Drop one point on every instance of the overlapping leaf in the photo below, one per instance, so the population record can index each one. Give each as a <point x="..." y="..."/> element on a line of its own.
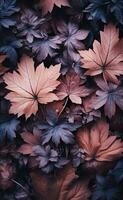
<point x="45" y="47"/>
<point x="72" y="86"/>
<point x="98" y="144"/>
<point x="72" y="37"/>
<point x="57" y="130"/>
<point x="109" y="95"/>
<point x="66" y="185"/>
<point x="48" y="5"/>
<point x="30" y="140"/>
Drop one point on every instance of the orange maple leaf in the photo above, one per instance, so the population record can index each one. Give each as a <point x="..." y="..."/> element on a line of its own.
<point x="48" y="5"/>
<point x="30" y="87"/>
<point x="106" y="58"/>
<point x="98" y="145"/>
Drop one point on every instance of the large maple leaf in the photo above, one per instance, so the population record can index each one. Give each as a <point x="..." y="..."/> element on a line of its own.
<point x="106" y="57"/>
<point x="98" y="144"/>
<point x="30" y="87"/>
<point x="65" y="185"/>
<point x="48" y="5"/>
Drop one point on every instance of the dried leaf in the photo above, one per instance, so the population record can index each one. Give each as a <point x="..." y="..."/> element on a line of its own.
<point x="109" y="95"/>
<point x="98" y="145"/>
<point x="106" y="57"/>
<point x="31" y="141"/>
<point x="48" y="5"/>
<point x="72" y="86"/>
<point x="30" y="87"/>
<point x="66" y="185"/>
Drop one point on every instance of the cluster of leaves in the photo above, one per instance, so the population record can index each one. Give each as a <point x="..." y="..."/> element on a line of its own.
<point x="61" y="99"/>
<point x="110" y="186"/>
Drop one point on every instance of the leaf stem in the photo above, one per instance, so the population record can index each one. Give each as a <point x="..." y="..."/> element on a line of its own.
<point x="14" y="181"/>
<point x="66" y="101"/>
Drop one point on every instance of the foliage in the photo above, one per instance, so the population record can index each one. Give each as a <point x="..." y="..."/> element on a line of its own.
<point x="61" y="99"/>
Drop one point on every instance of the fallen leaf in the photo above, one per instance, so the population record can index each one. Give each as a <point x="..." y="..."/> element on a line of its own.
<point x="108" y="95"/>
<point x="48" y="5"/>
<point x="65" y="185"/>
<point x="57" y="129"/>
<point x="30" y="140"/>
<point x="98" y="144"/>
<point x="106" y="58"/>
<point x="72" y="86"/>
<point x="30" y="87"/>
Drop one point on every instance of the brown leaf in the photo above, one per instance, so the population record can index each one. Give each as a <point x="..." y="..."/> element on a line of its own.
<point x="65" y="185"/>
<point x="106" y="57"/>
<point x="26" y="149"/>
<point x="72" y="86"/>
<point x="30" y="87"/>
<point x="31" y="140"/>
<point x="98" y="145"/>
<point x="88" y="102"/>
<point x="48" y="5"/>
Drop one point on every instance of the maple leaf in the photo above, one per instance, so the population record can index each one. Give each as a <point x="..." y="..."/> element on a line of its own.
<point x="57" y="129"/>
<point x="30" y="87"/>
<point x="98" y="144"/>
<point x="48" y="5"/>
<point x="29" y="25"/>
<point x="110" y="95"/>
<point x="46" y="47"/>
<point x="72" y="37"/>
<point x="72" y="86"/>
<point x="65" y="185"/>
<point x="48" y="158"/>
<point x="103" y="9"/>
<point x="106" y="57"/>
